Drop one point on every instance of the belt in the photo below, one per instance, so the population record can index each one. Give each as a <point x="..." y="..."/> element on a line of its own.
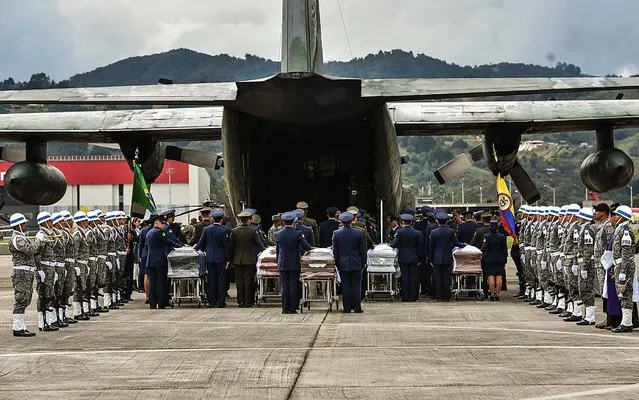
<point x="540" y="252"/>
<point x="83" y="262"/>
<point x="618" y="261"/>
<point x="93" y="259"/>
<point x="59" y="265"/>
<point x="24" y="268"/>
<point x="580" y="260"/>
<point x="70" y="260"/>
<point x="121" y="253"/>
<point x="102" y="257"/>
<point x="112" y="254"/>
<point x="555" y="254"/>
<point x="48" y="263"/>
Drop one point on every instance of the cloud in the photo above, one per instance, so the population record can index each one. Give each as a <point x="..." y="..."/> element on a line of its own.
<point x="64" y="37"/>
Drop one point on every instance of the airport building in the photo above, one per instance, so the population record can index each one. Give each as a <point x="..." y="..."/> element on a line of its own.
<point x="106" y="182"/>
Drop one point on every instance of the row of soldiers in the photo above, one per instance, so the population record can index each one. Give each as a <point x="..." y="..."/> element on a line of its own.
<point x="571" y="254"/>
<point x="79" y="256"/>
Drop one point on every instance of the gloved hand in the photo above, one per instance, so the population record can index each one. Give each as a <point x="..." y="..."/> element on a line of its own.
<point x="55" y="277"/>
<point x="584" y="274"/>
<point x="77" y="271"/>
<point x="109" y="265"/>
<point x="559" y="265"/>
<point x="41" y="275"/>
<point x="575" y="269"/>
<point x="543" y="265"/>
<point x="118" y="263"/>
<point x="622" y="278"/>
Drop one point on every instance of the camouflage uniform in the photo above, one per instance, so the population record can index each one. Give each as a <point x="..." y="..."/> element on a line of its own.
<point x="586" y="277"/>
<point x="311" y="223"/>
<point x="544" y="274"/>
<point x="553" y="243"/>
<point x="120" y="246"/>
<point x="22" y="252"/>
<point x="623" y="251"/>
<point x="570" y="265"/>
<point x="271" y="234"/>
<point x="90" y="237"/>
<point x="71" y="277"/>
<point x="602" y="237"/>
<point x="81" y="269"/>
<point x="523" y="246"/>
<point x="111" y="264"/>
<point x="534" y="277"/>
<point x="46" y="264"/>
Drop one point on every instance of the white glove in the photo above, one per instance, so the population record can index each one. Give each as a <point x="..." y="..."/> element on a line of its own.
<point x="41" y="275"/>
<point x="584" y="274"/>
<point x="523" y="259"/>
<point x="543" y="265"/>
<point x="55" y="277"/>
<point x="77" y="271"/>
<point x="118" y="263"/>
<point x="622" y="277"/>
<point x="109" y="265"/>
<point x="575" y="269"/>
<point x="559" y="265"/>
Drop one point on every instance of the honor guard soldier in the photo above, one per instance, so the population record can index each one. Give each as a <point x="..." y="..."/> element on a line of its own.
<point x="102" y="239"/>
<point x="349" y="251"/>
<point x="521" y="244"/>
<point x="173" y="227"/>
<point x="552" y="254"/>
<point x="290" y="243"/>
<point x="159" y="243"/>
<point x="587" y="275"/>
<point x="45" y="261"/>
<point x="82" y="266"/>
<point x="410" y="245"/>
<point x="120" y="250"/>
<point x="526" y="240"/>
<point x="545" y="274"/>
<point x="110" y="288"/>
<point x="215" y="243"/>
<point x="60" y="271"/>
<point x="328" y="227"/>
<point x="556" y="257"/>
<point x="568" y="262"/>
<point x="22" y="255"/>
<point x="91" y="236"/>
<point x="624" y="278"/>
<point x="302" y="205"/>
<point x="442" y="241"/>
<point x="604" y="231"/>
<point x="244" y="245"/>
<point x="71" y="277"/>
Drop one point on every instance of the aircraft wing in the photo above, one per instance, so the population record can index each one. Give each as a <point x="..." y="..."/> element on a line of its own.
<point x="476" y="118"/>
<point x="168" y="124"/>
<point x="443" y="88"/>
<point x="382" y="90"/>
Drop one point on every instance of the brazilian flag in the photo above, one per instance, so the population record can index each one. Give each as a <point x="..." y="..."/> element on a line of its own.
<point x="141" y="194"/>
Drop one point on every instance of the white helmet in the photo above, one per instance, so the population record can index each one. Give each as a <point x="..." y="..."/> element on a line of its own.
<point x="17" y="219"/>
<point x="57" y="217"/>
<point x="43" y="217"/>
<point x="624" y="211"/>
<point x="67" y="215"/>
<point x="586" y="213"/>
<point x="573" y="209"/>
<point x="92" y="216"/>
<point x="80" y="216"/>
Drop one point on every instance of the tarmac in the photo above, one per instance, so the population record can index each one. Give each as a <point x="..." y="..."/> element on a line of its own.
<point x="427" y="350"/>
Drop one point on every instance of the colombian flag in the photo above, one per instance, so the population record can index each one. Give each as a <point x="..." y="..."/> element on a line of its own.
<point x="505" y="202"/>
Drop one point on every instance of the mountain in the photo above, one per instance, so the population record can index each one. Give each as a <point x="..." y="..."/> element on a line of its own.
<point x="556" y="166"/>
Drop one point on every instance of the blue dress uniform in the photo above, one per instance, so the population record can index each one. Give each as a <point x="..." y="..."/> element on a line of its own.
<point x="159" y="244"/>
<point x="143" y="251"/>
<point x="410" y="244"/>
<point x="349" y="251"/>
<point x="327" y="228"/>
<point x="306" y="231"/>
<point x="215" y="243"/>
<point x="173" y="228"/>
<point x="466" y="231"/>
<point x="289" y="244"/>
<point x="442" y="241"/>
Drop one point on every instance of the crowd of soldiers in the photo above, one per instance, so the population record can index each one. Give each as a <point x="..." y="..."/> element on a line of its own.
<point x="77" y="257"/>
<point x="570" y="255"/>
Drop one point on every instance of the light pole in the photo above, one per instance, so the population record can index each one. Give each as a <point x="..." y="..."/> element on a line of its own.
<point x="630" y="186"/>
<point x="553" y="194"/>
<point x="462" y="190"/>
<point x="481" y="194"/>
<point x="170" y="171"/>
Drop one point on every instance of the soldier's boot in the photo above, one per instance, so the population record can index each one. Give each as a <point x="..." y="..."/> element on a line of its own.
<point x="78" y="315"/>
<point x="546" y="300"/>
<point x="626" y="321"/>
<point x="561" y="305"/>
<point x="59" y="318"/>
<point x="576" y="312"/>
<point x="19" y="327"/>
<point x="116" y="299"/>
<point x="43" y="325"/>
<point x="568" y="310"/>
<point x="88" y="309"/>
<point x="53" y="320"/>
<point x="65" y="319"/>
<point x="109" y="303"/>
<point x="537" y="297"/>
<point x="105" y="307"/>
<point x="524" y="295"/>
<point x="553" y="303"/>
<point x="589" y="319"/>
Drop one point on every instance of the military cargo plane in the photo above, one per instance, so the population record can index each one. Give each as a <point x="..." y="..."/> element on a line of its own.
<point x="304" y="135"/>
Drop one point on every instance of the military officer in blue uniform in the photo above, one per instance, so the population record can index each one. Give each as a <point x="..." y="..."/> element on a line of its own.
<point x="306" y="231"/>
<point x="143" y="252"/>
<point x="327" y="227"/>
<point x="349" y="251"/>
<point x="215" y="243"/>
<point x="172" y="227"/>
<point x="442" y="241"/>
<point x="159" y="244"/>
<point x="289" y="244"/>
<point x="466" y="230"/>
<point x="410" y="244"/>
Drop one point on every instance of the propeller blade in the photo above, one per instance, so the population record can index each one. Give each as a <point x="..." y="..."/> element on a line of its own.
<point x="459" y="165"/>
<point x="523" y="182"/>
<point x="13" y="154"/>
<point x="193" y="157"/>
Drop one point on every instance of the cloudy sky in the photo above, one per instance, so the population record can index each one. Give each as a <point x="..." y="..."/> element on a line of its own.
<point x="65" y="37"/>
